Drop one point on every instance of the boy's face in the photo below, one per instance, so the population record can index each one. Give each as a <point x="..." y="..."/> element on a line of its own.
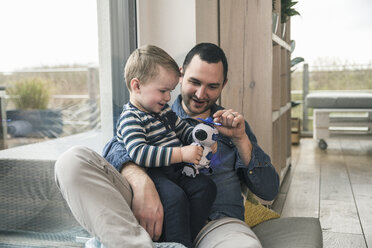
<point x="155" y="92"/>
<point x="201" y="86"/>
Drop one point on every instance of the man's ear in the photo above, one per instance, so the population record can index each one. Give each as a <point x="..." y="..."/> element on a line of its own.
<point x="135" y="85"/>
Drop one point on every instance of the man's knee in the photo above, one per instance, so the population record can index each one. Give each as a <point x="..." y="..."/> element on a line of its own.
<point x="68" y="167"/>
<point x="226" y="233"/>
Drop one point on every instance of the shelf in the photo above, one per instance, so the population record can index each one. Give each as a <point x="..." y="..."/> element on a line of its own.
<point x="281" y="42"/>
<point x="284" y="170"/>
<point x="276" y="114"/>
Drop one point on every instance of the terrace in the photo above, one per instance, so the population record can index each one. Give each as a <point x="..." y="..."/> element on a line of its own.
<point x="333" y="185"/>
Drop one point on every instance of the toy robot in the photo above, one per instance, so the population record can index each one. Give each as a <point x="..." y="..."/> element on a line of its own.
<point x="204" y="135"/>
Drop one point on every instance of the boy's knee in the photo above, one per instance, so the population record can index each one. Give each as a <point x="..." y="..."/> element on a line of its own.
<point x="177" y="196"/>
<point x="207" y="188"/>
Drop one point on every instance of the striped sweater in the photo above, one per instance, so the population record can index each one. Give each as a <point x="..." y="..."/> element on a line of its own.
<point x="149" y="137"/>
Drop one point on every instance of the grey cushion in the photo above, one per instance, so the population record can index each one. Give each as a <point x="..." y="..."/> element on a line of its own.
<point x="339" y="100"/>
<point x="30" y="199"/>
<point x="33" y="212"/>
<point x="290" y="232"/>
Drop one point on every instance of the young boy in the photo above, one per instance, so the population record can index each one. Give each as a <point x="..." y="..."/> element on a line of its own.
<point x="153" y="136"/>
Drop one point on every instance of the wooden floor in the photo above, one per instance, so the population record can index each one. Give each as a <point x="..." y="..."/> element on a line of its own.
<point x="335" y="186"/>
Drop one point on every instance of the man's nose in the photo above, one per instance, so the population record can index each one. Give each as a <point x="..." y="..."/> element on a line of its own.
<point x="200" y="93"/>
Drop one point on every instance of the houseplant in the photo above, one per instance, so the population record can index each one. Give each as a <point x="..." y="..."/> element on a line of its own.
<point x="32" y="116"/>
<point x="286" y="12"/>
<point x="275" y="18"/>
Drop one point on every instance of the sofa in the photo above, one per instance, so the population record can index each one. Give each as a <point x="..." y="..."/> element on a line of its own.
<point x="34" y="214"/>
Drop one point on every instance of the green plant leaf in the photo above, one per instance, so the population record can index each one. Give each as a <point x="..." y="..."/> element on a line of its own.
<point x="293" y="45"/>
<point x="296" y="61"/>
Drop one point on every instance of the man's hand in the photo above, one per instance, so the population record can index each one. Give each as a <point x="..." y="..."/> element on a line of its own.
<point x="146" y="204"/>
<point x="233" y="126"/>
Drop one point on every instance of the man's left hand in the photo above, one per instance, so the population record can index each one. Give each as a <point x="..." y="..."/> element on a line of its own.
<point x="233" y="125"/>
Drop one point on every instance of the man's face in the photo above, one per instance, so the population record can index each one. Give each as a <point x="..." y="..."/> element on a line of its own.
<point x="201" y="86"/>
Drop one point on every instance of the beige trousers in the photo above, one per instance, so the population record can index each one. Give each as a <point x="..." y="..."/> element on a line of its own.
<point x="100" y="199"/>
<point x="227" y="233"/>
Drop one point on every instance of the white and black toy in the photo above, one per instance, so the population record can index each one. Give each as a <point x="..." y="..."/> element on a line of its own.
<point x="204" y="135"/>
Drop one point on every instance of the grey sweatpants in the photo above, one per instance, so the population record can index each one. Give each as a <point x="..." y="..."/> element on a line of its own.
<point x="100" y="199"/>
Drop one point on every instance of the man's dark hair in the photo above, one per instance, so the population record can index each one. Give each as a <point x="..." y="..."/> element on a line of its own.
<point x="209" y="53"/>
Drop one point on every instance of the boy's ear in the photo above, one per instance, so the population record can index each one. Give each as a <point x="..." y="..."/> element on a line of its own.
<point x="135" y="85"/>
<point x="181" y="77"/>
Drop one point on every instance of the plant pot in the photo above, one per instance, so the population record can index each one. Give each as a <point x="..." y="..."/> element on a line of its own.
<point x="283" y="30"/>
<point x="275" y="22"/>
<point x="35" y="123"/>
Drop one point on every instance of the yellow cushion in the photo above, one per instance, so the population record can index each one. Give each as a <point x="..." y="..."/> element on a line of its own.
<point x="255" y="212"/>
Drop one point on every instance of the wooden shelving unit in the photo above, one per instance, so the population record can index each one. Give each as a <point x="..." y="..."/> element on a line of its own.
<point x="259" y="71"/>
<point x="259" y="74"/>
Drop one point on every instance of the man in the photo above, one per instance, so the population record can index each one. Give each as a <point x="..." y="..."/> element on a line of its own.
<point x="204" y="75"/>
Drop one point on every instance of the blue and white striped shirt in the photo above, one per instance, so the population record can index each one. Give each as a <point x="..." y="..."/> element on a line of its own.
<point x="149" y="137"/>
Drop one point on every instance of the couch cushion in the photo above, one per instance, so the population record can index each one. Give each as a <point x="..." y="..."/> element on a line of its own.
<point x="290" y="233"/>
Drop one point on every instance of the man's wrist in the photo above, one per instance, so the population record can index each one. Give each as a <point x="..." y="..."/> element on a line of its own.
<point x="134" y="174"/>
<point x="241" y="141"/>
<point x="244" y="147"/>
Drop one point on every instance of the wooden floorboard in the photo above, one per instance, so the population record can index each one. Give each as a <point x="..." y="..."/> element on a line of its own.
<point x="342" y="240"/>
<point x="369" y="241"/>
<point x="303" y="195"/>
<point x="338" y="212"/>
<point x="360" y="170"/>
<point x="334" y="185"/>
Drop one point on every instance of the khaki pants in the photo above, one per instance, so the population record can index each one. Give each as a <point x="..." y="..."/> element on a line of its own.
<point x="227" y="233"/>
<point x="100" y="199"/>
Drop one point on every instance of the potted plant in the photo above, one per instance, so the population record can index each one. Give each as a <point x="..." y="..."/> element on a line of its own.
<point x="32" y="117"/>
<point x="275" y="18"/>
<point x="287" y="11"/>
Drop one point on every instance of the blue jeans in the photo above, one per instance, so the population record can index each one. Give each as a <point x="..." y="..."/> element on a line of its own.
<point x="187" y="202"/>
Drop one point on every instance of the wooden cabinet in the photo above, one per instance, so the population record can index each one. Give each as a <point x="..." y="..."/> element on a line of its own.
<point x="259" y="74"/>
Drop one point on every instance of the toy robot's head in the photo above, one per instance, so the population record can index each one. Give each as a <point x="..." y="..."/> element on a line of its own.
<point x="205" y="134"/>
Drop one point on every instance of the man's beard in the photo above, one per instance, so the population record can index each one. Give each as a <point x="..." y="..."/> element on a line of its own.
<point x="188" y="101"/>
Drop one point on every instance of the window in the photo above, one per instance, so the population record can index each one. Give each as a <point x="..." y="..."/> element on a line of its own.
<point x="48" y="70"/>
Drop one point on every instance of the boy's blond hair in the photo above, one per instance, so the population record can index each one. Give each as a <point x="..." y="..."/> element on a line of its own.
<point x="143" y="64"/>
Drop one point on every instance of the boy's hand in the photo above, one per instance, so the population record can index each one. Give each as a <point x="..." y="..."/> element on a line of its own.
<point x="192" y="154"/>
